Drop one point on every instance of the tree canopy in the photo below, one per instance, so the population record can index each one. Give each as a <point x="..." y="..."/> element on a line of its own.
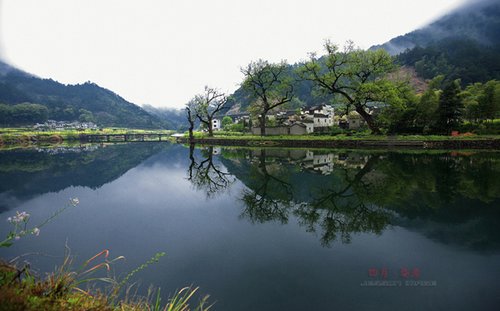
<point x="270" y="88"/>
<point x="355" y="77"/>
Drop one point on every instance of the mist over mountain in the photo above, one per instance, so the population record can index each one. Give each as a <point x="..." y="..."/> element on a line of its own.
<point x="174" y="118"/>
<point x="84" y="102"/>
<point x="464" y="44"/>
<point x="477" y="20"/>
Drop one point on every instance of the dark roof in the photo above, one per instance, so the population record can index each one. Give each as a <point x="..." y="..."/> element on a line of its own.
<point x="307" y="121"/>
<point x="241" y="114"/>
<point x="298" y="124"/>
<point x="317" y="107"/>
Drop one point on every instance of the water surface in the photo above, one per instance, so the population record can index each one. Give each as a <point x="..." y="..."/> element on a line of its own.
<point x="271" y="229"/>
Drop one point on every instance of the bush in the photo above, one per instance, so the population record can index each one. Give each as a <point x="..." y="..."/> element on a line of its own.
<point x="484" y="128"/>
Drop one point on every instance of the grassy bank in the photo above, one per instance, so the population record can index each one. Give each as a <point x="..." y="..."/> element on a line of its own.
<point x="360" y="136"/>
<point x="21" y="290"/>
<point x="26" y="136"/>
<point x="353" y="141"/>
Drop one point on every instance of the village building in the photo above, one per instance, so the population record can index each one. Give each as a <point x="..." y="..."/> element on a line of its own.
<point x="216" y="124"/>
<point x="53" y="125"/>
<point x="315" y="119"/>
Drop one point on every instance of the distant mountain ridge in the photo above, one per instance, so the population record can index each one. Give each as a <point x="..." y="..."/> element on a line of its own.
<point x="70" y="102"/>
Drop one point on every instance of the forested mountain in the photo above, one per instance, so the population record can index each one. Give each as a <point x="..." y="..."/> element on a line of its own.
<point x="464" y="59"/>
<point x="84" y="102"/>
<point x="464" y="44"/>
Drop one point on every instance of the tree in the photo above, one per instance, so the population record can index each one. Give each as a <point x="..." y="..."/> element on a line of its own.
<point x="27" y="113"/>
<point x="208" y="104"/>
<point x="354" y="76"/>
<point x="191" y="117"/>
<point x="470" y="98"/>
<point x="450" y="108"/>
<point x="489" y="101"/>
<point x="5" y="115"/>
<point x="226" y="122"/>
<point x="86" y="116"/>
<point x="269" y="86"/>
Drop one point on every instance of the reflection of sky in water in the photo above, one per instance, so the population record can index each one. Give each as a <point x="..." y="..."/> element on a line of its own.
<point x="244" y="266"/>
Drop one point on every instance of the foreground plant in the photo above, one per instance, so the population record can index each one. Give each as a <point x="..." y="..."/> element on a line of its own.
<point x="20" y="223"/>
<point x="62" y="289"/>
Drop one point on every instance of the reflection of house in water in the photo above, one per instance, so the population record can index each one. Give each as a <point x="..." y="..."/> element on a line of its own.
<point x="353" y="160"/>
<point x="321" y="163"/>
<point x="216" y="150"/>
<point x="313" y="160"/>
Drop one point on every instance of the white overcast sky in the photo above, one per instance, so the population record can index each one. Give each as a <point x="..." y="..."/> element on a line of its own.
<point x="163" y="52"/>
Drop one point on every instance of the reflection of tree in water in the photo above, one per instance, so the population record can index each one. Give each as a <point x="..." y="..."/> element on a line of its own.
<point x="341" y="211"/>
<point x="447" y="197"/>
<point x="337" y="211"/>
<point x="206" y="174"/>
<point x="260" y="205"/>
<point x="451" y="198"/>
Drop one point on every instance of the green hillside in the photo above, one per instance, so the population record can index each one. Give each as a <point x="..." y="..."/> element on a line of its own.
<point x="84" y="102"/>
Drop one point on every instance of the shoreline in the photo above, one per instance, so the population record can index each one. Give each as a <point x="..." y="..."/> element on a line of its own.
<point x="388" y="142"/>
<point x="490" y="144"/>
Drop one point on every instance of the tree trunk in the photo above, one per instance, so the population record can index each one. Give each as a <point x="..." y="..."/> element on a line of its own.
<point x="191" y="158"/>
<point x="369" y="119"/>
<point x="191" y="136"/>
<point x="263" y="125"/>
<point x="210" y="130"/>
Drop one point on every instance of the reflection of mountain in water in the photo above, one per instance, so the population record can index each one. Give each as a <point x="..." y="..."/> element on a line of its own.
<point x="30" y="172"/>
<point x="453" y="198"/>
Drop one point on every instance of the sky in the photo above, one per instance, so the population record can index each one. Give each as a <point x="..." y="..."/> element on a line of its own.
<point x="163" y="52"/>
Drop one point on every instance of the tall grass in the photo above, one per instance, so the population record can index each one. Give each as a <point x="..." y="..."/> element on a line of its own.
<point x="21" y="290"/>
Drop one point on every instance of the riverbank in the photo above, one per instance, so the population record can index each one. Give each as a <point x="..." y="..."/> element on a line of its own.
<point x="26" y="137"/>
<point x="423" y="142"/>
<point x="19" y="137"/>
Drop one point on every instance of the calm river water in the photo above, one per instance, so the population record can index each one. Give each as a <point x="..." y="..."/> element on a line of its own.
<point x="270" y="229"/>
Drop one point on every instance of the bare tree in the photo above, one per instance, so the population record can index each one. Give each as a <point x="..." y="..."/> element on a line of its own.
<point x="270" y="85"/>
<point x="208" y="105"/>
<point x="191" y="117"/>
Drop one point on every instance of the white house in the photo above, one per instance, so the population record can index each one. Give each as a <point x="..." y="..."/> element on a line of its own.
<point x="216" y="124"/>
<point x="321" y="116"/>
<point x="322" y="120"/>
